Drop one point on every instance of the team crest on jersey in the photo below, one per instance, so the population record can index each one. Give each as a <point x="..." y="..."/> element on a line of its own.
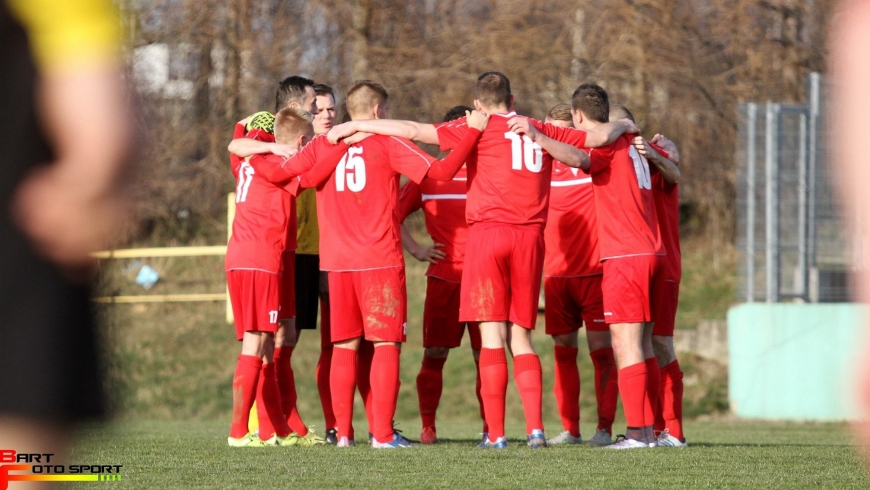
<point x="262" y="120"/>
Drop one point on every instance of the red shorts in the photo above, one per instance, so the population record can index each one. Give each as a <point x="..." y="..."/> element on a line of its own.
<point x="371" y="304"/>
<point x="288" y="285"/>
<point x="626" y="288"/>
<point x="571" y="302"/>
<point x="254" y="297"/>
<point x="667" y="297"/>
<point x="501" y="278"/>
<point x="441" y="325"/>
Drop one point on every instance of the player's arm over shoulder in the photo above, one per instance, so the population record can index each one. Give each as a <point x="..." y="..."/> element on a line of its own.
<point x="659" y="159"/>
<point x="411" y="130"/>
<point x="607" y="133"/>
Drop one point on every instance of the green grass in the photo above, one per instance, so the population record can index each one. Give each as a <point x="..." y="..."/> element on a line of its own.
<point x="186" y="454"/>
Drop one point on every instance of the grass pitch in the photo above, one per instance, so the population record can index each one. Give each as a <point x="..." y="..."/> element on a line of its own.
<point x="722" y="454"/>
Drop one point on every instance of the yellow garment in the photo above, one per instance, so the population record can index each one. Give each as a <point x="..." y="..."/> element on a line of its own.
<point x="69" y="33"/>
<point x="307" y="230"/>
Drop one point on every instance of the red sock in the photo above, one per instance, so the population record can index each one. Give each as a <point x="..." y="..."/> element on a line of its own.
<point x="342" y="378"/>
<point x="493" y="388"/>
<point x="385" y="390"/>
<point x="606" y="387"/>
<point x="567" y="388"/>
<point x="322" y="374"/>
<point x="363" y="377"/>
<point x="632" y="386"/>
<point x="430" y="381"/>
<point x="269" y="413"/>
<point x="528" y="377"/>
<point x="286" y="379"/>
<point x="244" y="392"/>
<point x="671" y="399"/>
<point x="477" y="392"/>
<point x="287" y="387"/>
<point x="653" y="380"/>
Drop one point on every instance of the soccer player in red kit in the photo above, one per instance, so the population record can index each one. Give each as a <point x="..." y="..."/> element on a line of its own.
<point x="443" y="205"/>
<point x="361" y="249"/>
<point x="294" y="91"/>
<point x="508" y="190"/>
<point x="669" y="414"/>
<point x="630" y="245"/>
<point x="572" y="291"/>
<point x="254" y="268"/>
<point x="664" y="174"/>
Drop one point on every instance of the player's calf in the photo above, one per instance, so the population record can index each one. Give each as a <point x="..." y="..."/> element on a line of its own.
<point x="430" y="384"/>
<point x="567" y="386"/>
<point x="627" y="341"/>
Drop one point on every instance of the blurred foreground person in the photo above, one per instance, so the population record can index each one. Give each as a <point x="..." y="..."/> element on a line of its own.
<point x="61" y="199"/>
<point x="849" y="41"/>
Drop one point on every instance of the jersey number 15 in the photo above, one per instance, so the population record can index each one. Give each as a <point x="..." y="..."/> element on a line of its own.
<point x="351" y="171"/>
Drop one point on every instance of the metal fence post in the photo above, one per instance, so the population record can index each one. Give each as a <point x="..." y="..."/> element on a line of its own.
<point x="815" y="82"/>
<point x="803" y="271"/>
<point x="771" y="208"/>
<point x="751" y="116"/>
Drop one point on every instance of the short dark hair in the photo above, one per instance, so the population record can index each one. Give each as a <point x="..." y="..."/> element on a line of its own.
<point x="363" y="95"/>
<point x="619" y="111"/>
<point x="591" y="100"/>
<point x="456" y="112"/>
<point x="493" y="89"/>
<point x="291" y="89"/>
<point x="560" y="112"/>
<point x="321" y="89"/>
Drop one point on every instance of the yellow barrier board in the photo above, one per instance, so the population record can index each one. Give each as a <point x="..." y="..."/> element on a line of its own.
<point x="161" y="298"/>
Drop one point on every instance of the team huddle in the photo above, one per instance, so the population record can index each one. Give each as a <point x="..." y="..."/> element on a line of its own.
<point x="576" y="199"/>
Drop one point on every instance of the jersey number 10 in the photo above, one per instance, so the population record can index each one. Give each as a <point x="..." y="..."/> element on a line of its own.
<point x="351" y="171"/>
<point x="525" y="151"/>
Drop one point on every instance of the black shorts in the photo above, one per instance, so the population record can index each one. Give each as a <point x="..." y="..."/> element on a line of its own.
<point x="49" y="368"/>
<point x="307" y="290"/>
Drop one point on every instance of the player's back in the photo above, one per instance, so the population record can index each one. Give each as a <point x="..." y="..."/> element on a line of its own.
<point x="508" y="174"/>
<point x="571" y="234"/>
<point x="443" y="204"/>
<point x="624" y="203"/>
<point x="260" y="126"/>
<point x="667" y="203"/>
<point x="357" y="205"/>
<point x="260" y="223"/>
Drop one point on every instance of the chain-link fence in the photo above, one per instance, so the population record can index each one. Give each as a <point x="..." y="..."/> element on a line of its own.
<point x="791" y="237"/>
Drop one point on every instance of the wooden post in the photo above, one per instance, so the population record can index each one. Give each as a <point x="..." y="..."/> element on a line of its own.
<point x="231" y="213"/>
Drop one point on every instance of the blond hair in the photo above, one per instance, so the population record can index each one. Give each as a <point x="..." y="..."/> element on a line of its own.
<point x="290" y="123"/>
<point x="363" y="95"/>
<point x="560" y="112"/>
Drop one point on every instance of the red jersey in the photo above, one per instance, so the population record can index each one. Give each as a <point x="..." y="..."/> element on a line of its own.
<point x="262" y="208"/>
<point x="443" y="204"/>
<point x="667" y="202"/>
<point x="627" y="223"/>
<point x="357" y="207"/>
<point x="571" y="234"/>
<point x="261" y="127"/>
<point x="508" y="174"/>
